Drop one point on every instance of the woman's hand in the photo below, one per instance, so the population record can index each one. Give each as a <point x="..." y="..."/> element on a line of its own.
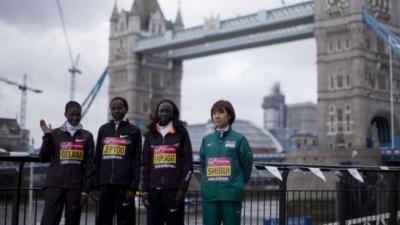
<point x="94" y="196"/>
<point x="180" y="197"/>
<point x="46" y="129"/>
<point x="83" y="199"/>
<point x="145" y="199"/>
<point x="129" y="195"/>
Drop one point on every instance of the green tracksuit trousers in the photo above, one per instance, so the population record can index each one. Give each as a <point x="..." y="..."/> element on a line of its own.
<point x="227" y="212"/>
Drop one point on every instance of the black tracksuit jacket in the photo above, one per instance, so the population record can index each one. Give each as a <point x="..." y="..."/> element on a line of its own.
<point x="70" y="157"/>
<point x="161" y="172"/>
<point x="117" y="157"/>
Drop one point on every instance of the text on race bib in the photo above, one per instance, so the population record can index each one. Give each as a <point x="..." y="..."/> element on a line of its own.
<point x="71" y="152"/>
<point x="164" y="156"/>
<point x="114" y="147"/>
<point x="219" y="169"/>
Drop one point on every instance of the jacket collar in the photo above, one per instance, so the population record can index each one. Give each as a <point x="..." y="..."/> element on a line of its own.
<point x="66" y="127"/>
<point x="170" y="131"/>
<point x="122" y="122"/>
<point x="221" y="133"/>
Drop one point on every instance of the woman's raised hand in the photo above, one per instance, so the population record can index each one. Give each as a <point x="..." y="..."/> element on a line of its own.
<point x="45" y="128"/>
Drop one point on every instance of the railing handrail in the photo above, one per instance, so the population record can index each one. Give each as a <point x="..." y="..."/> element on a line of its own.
<point x="19" y="157"/>
<point x="29" y="157"/>
<point x="364" y="168"/>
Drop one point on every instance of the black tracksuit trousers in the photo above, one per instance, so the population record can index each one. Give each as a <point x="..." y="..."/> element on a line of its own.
<point x="54" y="201"/>
<point x="112" y="199"/>
<point x="163" y="208"/>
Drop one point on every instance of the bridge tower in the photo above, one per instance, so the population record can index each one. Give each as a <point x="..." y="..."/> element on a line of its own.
<point x="143" y="79"/>
<point x="353" y="74"/>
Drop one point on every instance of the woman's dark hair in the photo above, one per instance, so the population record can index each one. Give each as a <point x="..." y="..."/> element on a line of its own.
<point x="123" y="101"/>
<point x="176" y="122"/>
<point x="224" y="105"/>
<point x="72" y="104"/>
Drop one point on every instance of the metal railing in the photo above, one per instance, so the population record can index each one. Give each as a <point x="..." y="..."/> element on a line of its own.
<point x="376" y="201"/>
<point x="259" y="207"/>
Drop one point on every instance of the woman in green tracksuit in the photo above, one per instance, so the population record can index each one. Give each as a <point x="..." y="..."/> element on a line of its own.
<point x="226" y="162"/>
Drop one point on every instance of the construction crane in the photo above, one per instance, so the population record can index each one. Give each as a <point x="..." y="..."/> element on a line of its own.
<point x="24" y="88"/>
<point x="74" y="70"/>
<point x="74" y="64"/>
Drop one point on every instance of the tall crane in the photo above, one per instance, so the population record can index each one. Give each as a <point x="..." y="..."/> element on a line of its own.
<point x="74" y="70"/>
<point x="74" y="64"/>
<point x="24" y="88"/>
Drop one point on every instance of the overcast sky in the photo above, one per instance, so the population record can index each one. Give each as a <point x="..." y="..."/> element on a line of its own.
<point x="32" y="43"/>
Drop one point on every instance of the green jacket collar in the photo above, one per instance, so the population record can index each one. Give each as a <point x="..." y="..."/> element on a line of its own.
<point x="224" y="134"/>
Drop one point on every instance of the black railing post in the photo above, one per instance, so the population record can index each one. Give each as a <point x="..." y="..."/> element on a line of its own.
<point x="15" y="212"/>
<point x="341" y="198"/>
<point x="282" y="198"/>
<point x="393" y="204"/>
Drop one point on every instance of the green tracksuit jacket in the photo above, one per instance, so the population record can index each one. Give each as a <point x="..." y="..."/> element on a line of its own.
<point x="226" y="164"/>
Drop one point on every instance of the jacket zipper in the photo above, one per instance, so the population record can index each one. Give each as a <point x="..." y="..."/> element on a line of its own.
<point x="219" y="155"/>
<point x="163" y="143"/>
<point x="112" y="162"/>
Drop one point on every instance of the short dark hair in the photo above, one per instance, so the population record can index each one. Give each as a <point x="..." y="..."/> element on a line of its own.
<point x="123" y="101"/>
<point x="72" y="104"/>
<point x="177" y="123"/>
<point x="224" y="105"/>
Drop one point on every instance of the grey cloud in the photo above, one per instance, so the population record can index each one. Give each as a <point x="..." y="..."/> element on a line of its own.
<point x="34" y="15"/>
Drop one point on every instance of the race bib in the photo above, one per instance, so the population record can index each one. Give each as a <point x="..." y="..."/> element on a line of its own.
<point x="71" y="152"/>
<point x="219" y="169"/>
<point x="164" y="156"/>
<point x="114" y="147"/>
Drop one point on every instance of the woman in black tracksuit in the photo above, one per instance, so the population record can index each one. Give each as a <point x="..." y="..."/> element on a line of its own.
<point x="69" y="150"/>
<point x="117" y="166"/>
<point x="167" y="166"/>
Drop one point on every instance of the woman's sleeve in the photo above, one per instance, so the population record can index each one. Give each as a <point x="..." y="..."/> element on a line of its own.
<point x="88" y="165"/>
<point x="145" y="165"/>
<point x="201" y="158"/>
<point x="187" y="162"/>
<point x="47" y="148"/>
<point x="246" y="158"/>
<point x="137" y="151"/>
<point x="97" y="161"/>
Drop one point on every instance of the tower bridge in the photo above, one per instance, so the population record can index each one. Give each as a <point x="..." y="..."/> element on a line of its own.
<point x="147" y="52"/>
<point x="215" y="36"/>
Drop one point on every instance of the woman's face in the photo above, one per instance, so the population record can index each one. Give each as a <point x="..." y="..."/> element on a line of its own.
<point x="165" y="113"/>
<point x="221" y="118"/>
<point x="118" y="109"/>
<point x="73" y="116"/>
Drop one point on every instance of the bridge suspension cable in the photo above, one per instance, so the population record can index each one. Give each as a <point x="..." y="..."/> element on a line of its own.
<point x="93" y="93"/>
<point x="390" y="39"/>
<point x="393" y="43"/>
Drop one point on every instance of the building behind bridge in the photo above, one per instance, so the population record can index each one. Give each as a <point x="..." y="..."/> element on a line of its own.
<point x="294" y="125"/>
<point x="12" y="136"/>
<point x="12" y="139"/>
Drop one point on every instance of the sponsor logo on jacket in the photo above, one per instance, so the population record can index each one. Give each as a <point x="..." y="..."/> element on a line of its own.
<point x="230" y="144"/>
